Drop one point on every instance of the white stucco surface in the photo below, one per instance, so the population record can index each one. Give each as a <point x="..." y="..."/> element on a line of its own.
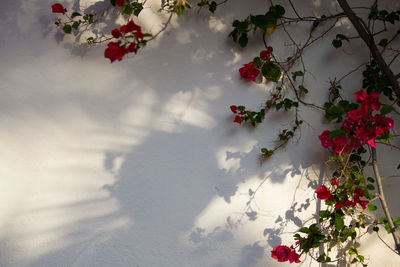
<point x="138" y="163"/>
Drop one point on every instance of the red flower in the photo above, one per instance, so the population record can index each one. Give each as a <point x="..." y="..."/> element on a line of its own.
<point x="349" y="203"/>
<point x="324" y="138"/>
<point x="238" y="119"/>
<point x="58" y="8"/>
<point x="116" y="33"/>
<point x="355" y="114"/>
<point x="334" y="182"/>
<point x="339" y="205"/>
<point x="266" y="54"/>
<point x="323" y="192"/>
<point x="234" y="109"/>
<point x="359" y="192"/>
<point x="294" y="257"/>
<point x="340" y="145"/>
<point x="360" y="96"/>
<point x="284" y="253"/>
<point x="280" y="253"/>
<point x="115" y="51"/>
<point x="132" y="48"/>
<point x="130" y="27"/>
<point x="138" y="34"/>
<point x="249" y="72"/>
<point x="120" y="2"/>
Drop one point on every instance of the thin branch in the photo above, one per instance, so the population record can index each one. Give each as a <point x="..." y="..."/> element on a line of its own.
<point x="294" y="9"/>
<point x="378" y="179"/>
<point x="360" y="27"/>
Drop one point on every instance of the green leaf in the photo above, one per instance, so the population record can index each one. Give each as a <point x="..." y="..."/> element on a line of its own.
<point x="375" y="228"/>
<point x="304" y="230"/>
<point x="67" y="28"/>
<point x="126" y="10"/>
<point x="372" y="207"/>
<point x="257" y="61"/>
<point x="332" y="113"/>
<point x="136" y="12"/>
<point x="370" y="187"/>
<point x="337" y="133"/>
<point x="278" y="10"/>
<point x="336" y="43"/>
<point x="361" y="258"/>
<point x="212" y="7"/>
<point x="271" y="71"/>
<point x="392" y="17"/>
<point x="371" y="180"/>
<point x="243" y="40"/>
<point x="75" y="14"/>
<point x="383" y="42"/>
<point x="386" y="109"/>
<point x="339" y="223"/>
<point x="75" y="25"/>
<point x="321" y="258"/>
<point x="179" y="9"/>
<point x="303" y="89"/>
<point x="324" y="213"/>
<point x="263" y="21"/>
<point x="352" y="250"/>
<point x="296" y="74"/>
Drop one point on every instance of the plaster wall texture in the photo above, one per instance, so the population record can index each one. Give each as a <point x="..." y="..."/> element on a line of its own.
<point x="138" y="163"/>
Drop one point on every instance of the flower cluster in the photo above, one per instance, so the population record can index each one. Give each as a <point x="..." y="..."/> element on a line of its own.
<point x="129" y="37"/>
<point x="284" y="253"/>
<point x="251" y="70"/>
<point x="361" y="127"/>
<point x="58" y="8"/>
<point x="341" y="200"/>
<point x="240" y="110"/>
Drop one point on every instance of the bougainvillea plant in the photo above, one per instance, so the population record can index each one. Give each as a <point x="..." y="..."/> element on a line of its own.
<point x="348" y="195"/>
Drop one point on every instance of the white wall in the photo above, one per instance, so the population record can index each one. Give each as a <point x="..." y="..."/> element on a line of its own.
<point x="138" y="162"/>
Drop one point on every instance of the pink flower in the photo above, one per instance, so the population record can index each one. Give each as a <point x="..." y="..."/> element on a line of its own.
<point x="58" y="8"/>
<point x="116" y="33"/>
<point x="233" y="109"/>
<point x="323" y="192"/>
<point x="280" y="253"/>
<point x="249" y="72"/>
<point x="238" y="119"/>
